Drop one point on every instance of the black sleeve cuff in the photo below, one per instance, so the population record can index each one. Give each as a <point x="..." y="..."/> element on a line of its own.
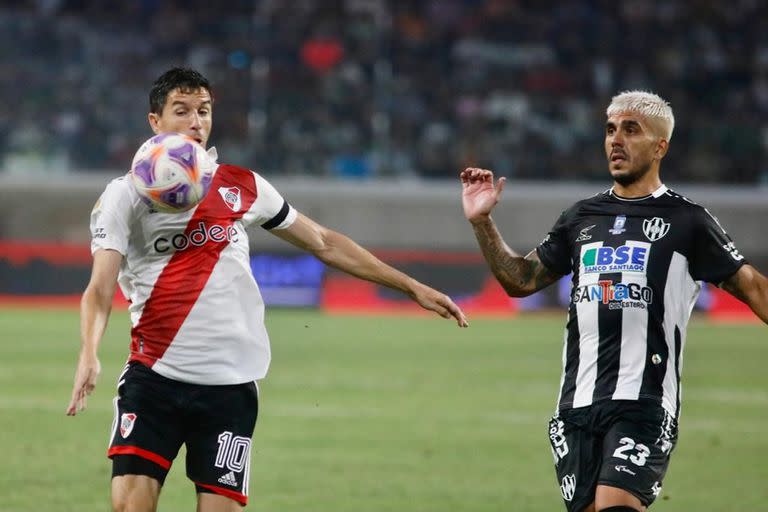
<point x="279" y="218"/>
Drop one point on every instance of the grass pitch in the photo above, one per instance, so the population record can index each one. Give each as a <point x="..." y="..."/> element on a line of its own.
<point x="383" y="414"/>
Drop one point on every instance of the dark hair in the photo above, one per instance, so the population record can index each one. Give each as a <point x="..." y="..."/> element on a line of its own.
<point x="184" y="79"/>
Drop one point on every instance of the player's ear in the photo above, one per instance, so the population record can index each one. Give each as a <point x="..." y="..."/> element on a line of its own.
<point x="154" y="122"/>
<point x="661" y="148"/>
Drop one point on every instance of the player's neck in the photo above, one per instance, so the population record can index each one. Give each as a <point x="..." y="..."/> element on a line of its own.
<point x="641" y="188"/>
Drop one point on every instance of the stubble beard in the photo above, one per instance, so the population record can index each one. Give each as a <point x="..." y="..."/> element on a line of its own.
<point x="631" y="177"/>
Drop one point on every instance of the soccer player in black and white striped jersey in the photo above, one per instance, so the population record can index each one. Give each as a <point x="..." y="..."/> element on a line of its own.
<point x="637" y="253"/>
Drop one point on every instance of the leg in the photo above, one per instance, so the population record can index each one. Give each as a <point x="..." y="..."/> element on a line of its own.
<point x="135" y="493"/>
<point x="207" y="502"/>
<point x="636" y="453"/>
<point x="145" y="439"/>
<point x="577" y="453"/>
<point x="219" y="445"/>
<point x="608" y="497"/>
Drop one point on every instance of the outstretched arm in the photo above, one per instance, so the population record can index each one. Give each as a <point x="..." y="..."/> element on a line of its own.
<point x="751" y="287"/>
<point x="339" y="251"/>
<point x="519" y="276"/>
<point x="95" y="307"/>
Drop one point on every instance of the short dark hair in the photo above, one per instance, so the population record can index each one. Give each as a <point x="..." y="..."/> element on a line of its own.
<point x="184" y="79"/>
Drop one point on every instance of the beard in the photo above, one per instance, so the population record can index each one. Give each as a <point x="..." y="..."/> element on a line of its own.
<point x="632" y="176"/>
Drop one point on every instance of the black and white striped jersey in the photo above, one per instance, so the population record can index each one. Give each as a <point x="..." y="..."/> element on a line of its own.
<point x="636" y="267"/>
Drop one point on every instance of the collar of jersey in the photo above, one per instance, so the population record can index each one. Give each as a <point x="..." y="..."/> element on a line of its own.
<point x="655" y="194"/>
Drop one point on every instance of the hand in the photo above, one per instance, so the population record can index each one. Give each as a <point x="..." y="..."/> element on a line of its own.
<point x="479" y="194"/>
<point x="88" y="370"/>
<point x="440" y="303"/>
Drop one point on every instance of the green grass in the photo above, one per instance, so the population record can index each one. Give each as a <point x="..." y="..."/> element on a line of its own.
<point x="384" y="414"/>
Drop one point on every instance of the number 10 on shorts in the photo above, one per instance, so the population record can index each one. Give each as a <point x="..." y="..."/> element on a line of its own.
<point x="233" y="451"/>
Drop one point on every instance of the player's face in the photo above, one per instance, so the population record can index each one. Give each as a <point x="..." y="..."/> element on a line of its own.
<point x="631" y="147"/>
<point x="190" y="113"/>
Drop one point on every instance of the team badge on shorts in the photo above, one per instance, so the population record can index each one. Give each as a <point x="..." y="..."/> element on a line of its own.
<point x="127" y="421"/>
<point x="568" y="487"/>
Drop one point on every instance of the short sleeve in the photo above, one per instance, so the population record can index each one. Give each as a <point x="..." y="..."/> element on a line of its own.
<point x="715" y="257"/>
<point x="272" y="211"/>
<point x="555" y="251"/>
<point x="111" y="218"/>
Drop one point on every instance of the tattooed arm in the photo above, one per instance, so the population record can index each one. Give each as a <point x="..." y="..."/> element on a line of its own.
<point x="519" y="276"/>
<point x="751" y="287"/>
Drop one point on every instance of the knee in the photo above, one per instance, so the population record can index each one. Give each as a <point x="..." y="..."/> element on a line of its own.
<point x="133" y="502"/>
<point x="133" y="493"/>
<point x="119" y="503"/>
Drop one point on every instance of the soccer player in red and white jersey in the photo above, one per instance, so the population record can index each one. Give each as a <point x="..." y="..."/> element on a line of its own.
<point x="198" y="341"/>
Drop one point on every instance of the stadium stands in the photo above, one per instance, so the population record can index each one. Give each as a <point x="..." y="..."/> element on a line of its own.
<point x="359" y="88"/>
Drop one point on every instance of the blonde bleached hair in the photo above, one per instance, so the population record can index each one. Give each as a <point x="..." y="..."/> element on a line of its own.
<point x="647" y="104"/>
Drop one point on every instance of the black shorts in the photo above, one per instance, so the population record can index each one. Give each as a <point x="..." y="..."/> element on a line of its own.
<point x="155" y="415"/>
<point x="620" y="443"/>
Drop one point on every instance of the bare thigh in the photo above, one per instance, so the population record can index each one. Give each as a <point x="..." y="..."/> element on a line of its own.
<point x="607" y="496"/>
<point x="135" y="493"/>
<point x="209" y="502"/>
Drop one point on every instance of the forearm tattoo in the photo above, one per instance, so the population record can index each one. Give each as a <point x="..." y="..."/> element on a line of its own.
<point x="517" y="274"/>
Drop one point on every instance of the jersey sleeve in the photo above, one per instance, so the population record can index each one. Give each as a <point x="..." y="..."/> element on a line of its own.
<point x="111" y="218"/>
<point x="270" y="210"/>
<point x="555" y="251"/>
<point x="715" y="257"/>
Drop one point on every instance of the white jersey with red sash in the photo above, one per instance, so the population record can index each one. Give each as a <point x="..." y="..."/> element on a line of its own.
<point x="196" y="311"/>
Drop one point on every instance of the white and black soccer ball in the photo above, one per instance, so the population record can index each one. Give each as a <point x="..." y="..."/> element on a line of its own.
<point x="172" y="172"/>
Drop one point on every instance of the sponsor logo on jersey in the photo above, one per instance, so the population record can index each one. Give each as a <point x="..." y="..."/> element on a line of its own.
<point x="615" y="295"/>
<point x="618" y="225"/>
<point x="655" y="228"/>
<point x="127" y="421"/>
<point x="196" y="238"/>
<point x="656" y="489"/>
<point x="231" y="196"/>
<point x="625" y="258"/>
<point x="584" y="234"/>
<point x="568" y="487"/>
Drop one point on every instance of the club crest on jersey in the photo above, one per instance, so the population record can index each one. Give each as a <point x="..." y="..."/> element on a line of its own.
<point x="127" y="421"/>
<point x="618" y="225"/>
<point x="655" y="228"/>
<point x="231" y="196"/>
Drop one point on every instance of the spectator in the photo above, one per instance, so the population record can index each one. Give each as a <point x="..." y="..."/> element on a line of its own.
<point x="394" y="88"/>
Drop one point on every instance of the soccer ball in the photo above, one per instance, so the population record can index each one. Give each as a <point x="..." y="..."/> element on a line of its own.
<point x="172" y="172"/>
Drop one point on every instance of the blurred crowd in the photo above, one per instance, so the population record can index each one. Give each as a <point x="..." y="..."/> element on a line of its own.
<point x="387" y="88"/>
